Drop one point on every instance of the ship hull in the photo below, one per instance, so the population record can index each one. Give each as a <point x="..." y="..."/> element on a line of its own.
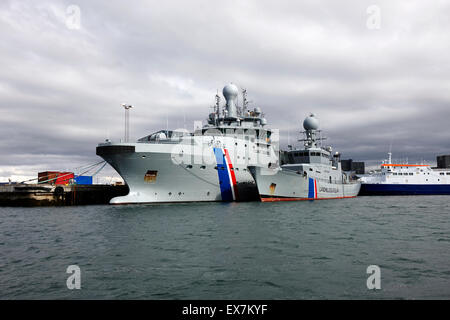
<point x="404" y="189"/>
<point x="155" y="175"/>
<point x="286" y="185"/>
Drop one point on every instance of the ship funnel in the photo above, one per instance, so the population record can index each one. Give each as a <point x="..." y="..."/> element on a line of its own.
<point x="230" y="92"/>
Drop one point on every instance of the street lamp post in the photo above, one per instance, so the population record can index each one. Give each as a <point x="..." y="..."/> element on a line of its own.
<point x="127" y="121"/>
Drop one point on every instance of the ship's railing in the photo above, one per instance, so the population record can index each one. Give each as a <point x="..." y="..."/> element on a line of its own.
<point x="175" y="139"/>
<point x="163" y="141"/>
<point x="327" y="180"/>
<point x="165" y="136"/>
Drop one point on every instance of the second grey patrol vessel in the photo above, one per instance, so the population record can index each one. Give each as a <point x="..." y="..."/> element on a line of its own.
<point x="209" y="164"/>
<point x="311" y="173"/>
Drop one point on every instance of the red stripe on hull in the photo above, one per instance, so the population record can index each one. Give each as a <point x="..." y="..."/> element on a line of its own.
<point x="233" y="176"/>
<point x="301" y="199"/>
<point x="315" y="189"/>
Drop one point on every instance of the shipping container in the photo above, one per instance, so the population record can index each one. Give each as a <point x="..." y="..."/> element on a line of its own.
<point x="55" y="177"/>
<point x="83" y="180"/>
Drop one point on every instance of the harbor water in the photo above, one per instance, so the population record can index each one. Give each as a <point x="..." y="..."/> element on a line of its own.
<point x="285" y="250"/>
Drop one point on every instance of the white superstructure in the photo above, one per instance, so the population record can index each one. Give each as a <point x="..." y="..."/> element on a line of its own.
<point x="397" y="173"/>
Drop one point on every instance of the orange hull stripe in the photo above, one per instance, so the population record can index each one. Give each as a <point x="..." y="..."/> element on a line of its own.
<point x="301" y="199"/>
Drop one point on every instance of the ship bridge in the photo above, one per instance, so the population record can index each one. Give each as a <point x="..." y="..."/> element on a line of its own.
<point x="314" y="155"/>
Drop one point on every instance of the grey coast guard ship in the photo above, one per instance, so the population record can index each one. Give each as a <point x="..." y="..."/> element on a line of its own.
<point x="311" y="173"/>
<point x="209" y="164"/>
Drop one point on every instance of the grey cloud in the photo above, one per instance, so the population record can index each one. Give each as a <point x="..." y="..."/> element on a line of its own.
<point x="61" y="89"/>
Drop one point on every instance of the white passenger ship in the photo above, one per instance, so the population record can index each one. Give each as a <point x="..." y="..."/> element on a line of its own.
<point x="406" y="179"/>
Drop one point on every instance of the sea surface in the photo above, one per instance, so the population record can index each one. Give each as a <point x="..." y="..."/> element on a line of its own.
<point x="286" y="250"/>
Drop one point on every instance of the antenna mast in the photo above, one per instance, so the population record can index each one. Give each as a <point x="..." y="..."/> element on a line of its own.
<point x="217" y="109"/>
<point x="244" y="101"/>
<point x="217" y="105"/>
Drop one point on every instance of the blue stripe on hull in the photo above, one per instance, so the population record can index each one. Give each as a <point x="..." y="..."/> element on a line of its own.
<point x="404" y="189"/>
<point x="224" y="178"/>
<point x="311" y="188"/>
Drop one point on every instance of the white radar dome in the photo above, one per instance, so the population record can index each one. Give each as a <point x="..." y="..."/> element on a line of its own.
<point x="230" y="91"/>
<point x="311" y="122"/>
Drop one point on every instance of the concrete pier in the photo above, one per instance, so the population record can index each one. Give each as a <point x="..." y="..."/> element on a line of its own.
<point x="30" y="195"/>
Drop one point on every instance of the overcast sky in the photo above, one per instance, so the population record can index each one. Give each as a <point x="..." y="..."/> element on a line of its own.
<point x="372" y="82"/>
